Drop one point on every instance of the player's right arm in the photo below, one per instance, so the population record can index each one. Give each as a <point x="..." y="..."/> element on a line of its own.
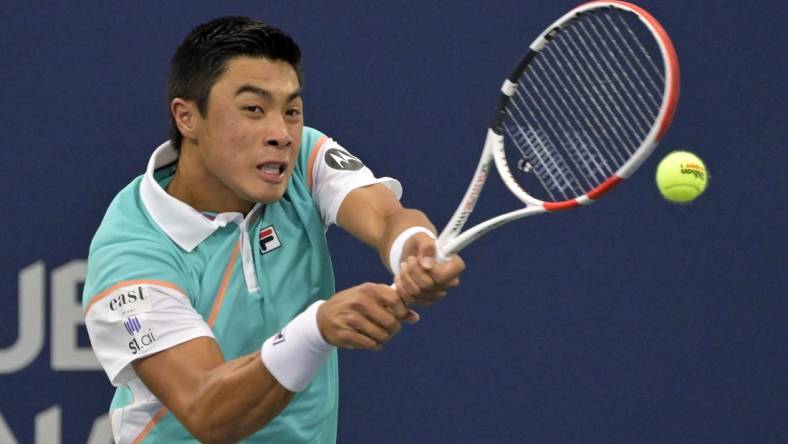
<point x="220" y="401"/>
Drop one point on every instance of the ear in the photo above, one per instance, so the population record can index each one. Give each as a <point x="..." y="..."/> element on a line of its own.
<point x="186" y="116"/>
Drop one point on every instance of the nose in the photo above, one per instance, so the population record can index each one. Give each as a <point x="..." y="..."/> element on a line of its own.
<point x="277" y="135"/>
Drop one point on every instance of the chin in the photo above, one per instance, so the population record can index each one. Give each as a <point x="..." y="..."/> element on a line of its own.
<point x="269" y="196"/>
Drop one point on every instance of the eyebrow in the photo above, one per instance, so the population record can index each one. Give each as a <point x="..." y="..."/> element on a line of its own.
<point x="263" y="93"/>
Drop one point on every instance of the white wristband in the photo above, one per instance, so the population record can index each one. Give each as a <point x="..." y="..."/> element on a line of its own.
<point x="396" y="248"/>
<point x="294" y="355"/>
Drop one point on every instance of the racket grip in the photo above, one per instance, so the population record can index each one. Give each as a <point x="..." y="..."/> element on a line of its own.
<point x="440" y="253"/>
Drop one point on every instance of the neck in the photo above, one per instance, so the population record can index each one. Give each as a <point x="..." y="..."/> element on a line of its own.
<point x="195" y="186"/>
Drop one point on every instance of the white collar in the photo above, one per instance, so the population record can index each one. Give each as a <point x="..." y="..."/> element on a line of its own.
<point x="186" y="226"/>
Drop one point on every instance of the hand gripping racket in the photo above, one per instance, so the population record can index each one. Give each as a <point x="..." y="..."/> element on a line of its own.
<point x="581" y="112"/>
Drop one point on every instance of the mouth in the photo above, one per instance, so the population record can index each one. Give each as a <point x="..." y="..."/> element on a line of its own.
<point x="273" y="172"/>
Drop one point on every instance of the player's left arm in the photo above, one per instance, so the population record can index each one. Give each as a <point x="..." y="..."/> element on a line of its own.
<point x="374" y="215"/>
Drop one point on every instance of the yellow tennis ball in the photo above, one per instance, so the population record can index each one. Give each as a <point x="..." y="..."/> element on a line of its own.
<point x="681" y="177"/>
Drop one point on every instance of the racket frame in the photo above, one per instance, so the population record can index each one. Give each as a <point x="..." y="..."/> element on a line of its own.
<point x="452" y="239"/>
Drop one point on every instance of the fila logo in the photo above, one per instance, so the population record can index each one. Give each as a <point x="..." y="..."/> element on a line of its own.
<point x="132" y="325"/>
<point x="279" y="338"/>
<point x="342" y="160"/>
<point x="269" y="240"/>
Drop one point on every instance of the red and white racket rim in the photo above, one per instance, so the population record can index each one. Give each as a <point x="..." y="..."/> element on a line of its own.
<point x="654" y="136"/>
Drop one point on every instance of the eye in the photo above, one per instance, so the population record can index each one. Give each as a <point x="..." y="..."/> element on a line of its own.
<point x="253" y="109"/>
<point x="293" y="113"/>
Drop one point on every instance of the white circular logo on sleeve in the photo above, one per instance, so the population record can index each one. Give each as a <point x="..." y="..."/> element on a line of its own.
<point x="342" y="160"/>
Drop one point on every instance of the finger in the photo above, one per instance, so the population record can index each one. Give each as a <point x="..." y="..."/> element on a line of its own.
<point x="365" y="326"/>
<point x="416" y="294"/>
<point x="385" y="318"/>
<point x="404" y="295"/>
<point x="410" y="286"/>
<point x="405" y="282"/>
<point x="391" y="300"/>
<point x="445" y="273"/>
<point x="419" y="275"/>
<point x="442" y="286"/>
<point x="352" y="340"/>
<point x="426" y="299"/>
<point x="435" y="296"/>
<point x="426" y="254"/>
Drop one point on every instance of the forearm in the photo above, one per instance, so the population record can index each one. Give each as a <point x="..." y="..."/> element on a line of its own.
<point x="216" y="401"/>
<point x="235" y="400"/>
<point x="220" y="401"/>
<point x="374" y="215"/>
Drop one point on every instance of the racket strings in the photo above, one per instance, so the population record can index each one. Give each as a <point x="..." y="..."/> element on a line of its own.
<point x="655" y="72"/>
<point x="605" y="75"/>
<point x="550" y="170"/>
<point x="652" y="90"/>
<point x="585" y="103"/>
<point x="578" y="119"/>
<point x="584" y="87"/>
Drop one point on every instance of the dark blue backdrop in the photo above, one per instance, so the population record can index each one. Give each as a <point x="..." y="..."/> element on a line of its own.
<point x="630" y="321"/>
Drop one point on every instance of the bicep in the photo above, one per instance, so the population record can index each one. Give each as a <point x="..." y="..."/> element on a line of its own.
<point x="173" y="375"/>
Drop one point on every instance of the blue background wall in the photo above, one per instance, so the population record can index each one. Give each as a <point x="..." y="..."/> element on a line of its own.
<point x="630" y="321"/>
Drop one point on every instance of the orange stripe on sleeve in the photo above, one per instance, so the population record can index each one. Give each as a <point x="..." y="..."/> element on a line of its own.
<point x="122" y="284"/>
<point x="311" y="162"/>
<point x="152" y="423"/>
<point x="228" y="272"/>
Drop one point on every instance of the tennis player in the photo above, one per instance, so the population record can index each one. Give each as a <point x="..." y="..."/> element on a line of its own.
<point x="210" y="298"/>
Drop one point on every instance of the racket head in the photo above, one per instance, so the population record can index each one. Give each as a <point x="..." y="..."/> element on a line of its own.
<point x="586" y="106"/>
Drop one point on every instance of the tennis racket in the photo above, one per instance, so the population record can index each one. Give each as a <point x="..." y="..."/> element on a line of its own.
<point x="583" y="109"/>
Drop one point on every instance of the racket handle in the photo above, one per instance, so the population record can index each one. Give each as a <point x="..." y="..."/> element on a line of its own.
<point x="441" y="255"/>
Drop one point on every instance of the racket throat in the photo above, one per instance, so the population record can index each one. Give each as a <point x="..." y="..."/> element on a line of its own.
<point x="464" y="210"/>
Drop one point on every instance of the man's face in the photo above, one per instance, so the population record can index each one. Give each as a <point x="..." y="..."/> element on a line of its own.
<point x="248" y="140"/>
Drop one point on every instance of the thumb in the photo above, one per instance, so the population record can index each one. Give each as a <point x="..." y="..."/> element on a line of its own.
<point x="426" y="253"/>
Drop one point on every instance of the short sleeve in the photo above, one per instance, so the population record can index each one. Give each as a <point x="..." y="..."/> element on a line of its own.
<point x="136" y="303"/>
<point x="134" y="319"/>
<point x="334" y="173"/>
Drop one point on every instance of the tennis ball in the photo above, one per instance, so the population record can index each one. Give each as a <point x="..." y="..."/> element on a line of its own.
<point x="681" y="177"/>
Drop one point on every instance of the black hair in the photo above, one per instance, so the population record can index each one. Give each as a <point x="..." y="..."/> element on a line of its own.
<point x="203" y="55"/>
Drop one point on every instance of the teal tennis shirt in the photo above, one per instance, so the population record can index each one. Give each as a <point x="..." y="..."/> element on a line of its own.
<point x="161" y="273"/>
